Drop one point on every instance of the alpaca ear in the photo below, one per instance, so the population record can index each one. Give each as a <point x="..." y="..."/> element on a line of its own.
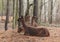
<point x="22" y="17"/>
<point x="35" y="17"/>
<point x="18" y="19"/>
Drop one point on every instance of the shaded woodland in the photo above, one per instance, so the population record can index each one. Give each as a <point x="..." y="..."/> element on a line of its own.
<point x="29" y="20"/>
<point x="46" y="11"/>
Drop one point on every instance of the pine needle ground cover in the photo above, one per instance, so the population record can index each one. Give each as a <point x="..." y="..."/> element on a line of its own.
<point x="12" y="36"/>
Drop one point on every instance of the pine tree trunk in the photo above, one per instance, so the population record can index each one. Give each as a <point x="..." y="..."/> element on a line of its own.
<point x="7" y="15"/>
<point x="44" y="12"/>
<point x="50" y="11"/>
<point x="2" y="10"/>
<point x="13" y="25"/>
<point x="35" y="10"/>
<point x="27" y="10"/>
<point x="40" y="11"/>
<point x="20" y="14"/>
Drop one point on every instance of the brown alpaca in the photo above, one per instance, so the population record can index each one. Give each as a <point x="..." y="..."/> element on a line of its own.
<point x="33" y="31"/>
<point x="27" y="19"/>
<point x="33" y="22"/>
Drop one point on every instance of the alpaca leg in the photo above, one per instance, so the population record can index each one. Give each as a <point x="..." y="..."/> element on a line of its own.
<point x="19" y="30"/>
<point x="44" y="33"/>
<point x="26" y="33"/>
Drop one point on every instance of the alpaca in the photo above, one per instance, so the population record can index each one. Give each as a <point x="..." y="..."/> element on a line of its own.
<point x="27" y="19"/>
<point x="33" y="22"/>
<point x="34" y="31"/>
<point x="19" y="27"/>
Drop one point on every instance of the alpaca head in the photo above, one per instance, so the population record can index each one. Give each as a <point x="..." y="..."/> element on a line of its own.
<point x="34" y="17"/>
<point x="27" y="18"/>
<point x="20" y="18"/>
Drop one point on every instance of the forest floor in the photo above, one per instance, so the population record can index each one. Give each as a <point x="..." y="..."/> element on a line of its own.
<point x="11" y="35"/>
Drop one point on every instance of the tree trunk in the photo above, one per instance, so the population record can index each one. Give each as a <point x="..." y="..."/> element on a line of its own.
<point x="20" y="14"/>
<point x="13" y="26"/>
<point x="44" y="12"/>
<point x="2" y="10"/>
<point x="35" y="10"/>
<point x="16" y="16"/>
<point x="7" y="15"/>
<point x="27" y="16"/>
<point x="50" y="11"/>
<point x="27" y="10"/>
<point x="40" y="12"/>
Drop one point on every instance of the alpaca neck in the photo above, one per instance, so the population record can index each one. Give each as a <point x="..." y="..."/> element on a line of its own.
<point x="32" y="21"/>
<point x="23" y="23"/>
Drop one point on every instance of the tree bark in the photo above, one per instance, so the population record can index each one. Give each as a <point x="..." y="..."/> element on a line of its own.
<point x="50" y="11"/>
<point x="20" y="14"/>
<point x="2" y="10"/>
<point x="44" y="12"/>
<point x="13" y="25"/>
<point x="7" y="15"/>
<point x="35" y="10"/>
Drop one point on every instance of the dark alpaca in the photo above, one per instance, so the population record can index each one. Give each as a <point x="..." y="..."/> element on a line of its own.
<point x="34" y="31"/>
<point x="27" y="21"/>
<point x="20" y="29"/>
